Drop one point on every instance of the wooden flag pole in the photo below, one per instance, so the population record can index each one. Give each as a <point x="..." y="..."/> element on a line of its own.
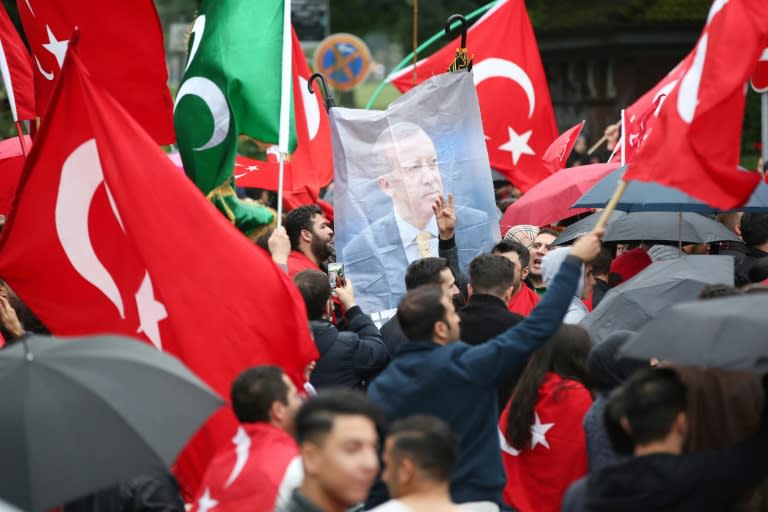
<point x="597" y="145"/>
<point x="611" y="206"/>
<point x="20" y="134"/>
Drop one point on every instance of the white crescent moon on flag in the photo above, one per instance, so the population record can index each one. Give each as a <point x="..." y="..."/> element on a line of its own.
<point x="81" y="175"/>
<point x="688" y="96"/>
<point x="198" y="28"/>
<point x="665" y="92"/>
<point x="311" y="109"/>
<point x="217" y="104"/>
<point x="495" y="67"/>
<point x="47" y="75"/>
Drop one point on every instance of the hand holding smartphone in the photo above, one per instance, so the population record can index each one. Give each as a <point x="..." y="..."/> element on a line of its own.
<point x="336" y="276"/>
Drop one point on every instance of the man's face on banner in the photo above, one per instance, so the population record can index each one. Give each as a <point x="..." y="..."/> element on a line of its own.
<point x="414" y="183"/>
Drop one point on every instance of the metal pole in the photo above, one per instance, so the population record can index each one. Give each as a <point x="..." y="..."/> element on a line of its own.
<point x="764" y="129"/>
<point x="285" y="106"/>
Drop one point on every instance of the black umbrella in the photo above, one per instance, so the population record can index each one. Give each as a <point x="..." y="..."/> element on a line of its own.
<point x="725" y="333"/>
<point x="685" y="227"/>
<point x="633" y="303"/>
<point x="78" y="415"/>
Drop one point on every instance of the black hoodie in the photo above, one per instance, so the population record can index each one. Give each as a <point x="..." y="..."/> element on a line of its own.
<point x="691" y="482"/>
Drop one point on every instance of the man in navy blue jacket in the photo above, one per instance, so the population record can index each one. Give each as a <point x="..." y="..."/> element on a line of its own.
<point x="439" y="375"/>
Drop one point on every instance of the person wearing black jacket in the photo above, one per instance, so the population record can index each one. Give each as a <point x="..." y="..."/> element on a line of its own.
<point x="650" y="410"/>
<point x="350" y="354"/>
<point x="153" y="492"/>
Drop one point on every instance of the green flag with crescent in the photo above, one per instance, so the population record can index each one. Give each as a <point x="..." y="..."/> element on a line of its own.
<point x="231" y="86"/>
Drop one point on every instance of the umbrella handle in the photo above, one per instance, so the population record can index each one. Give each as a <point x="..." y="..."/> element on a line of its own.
<point x="329" y="103"/>
<point x="463" y="20"/>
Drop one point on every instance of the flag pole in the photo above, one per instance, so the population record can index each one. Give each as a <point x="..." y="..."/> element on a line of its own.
<point x="621" y="187"/>
<point x="285" y="107"/>
<point x="8" y="84"/>
<point x="764" y="128"/>
<point x="623" y="139"/>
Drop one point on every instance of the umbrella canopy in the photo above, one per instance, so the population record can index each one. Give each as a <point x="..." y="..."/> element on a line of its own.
<point x="81" y="414"/>
<point x="550" y="200"/>
<point x="664" y="226"/>
<point x="687" y="227"/>
<point x="652" y="197"/>
<point x="583" y="226"/>
<point x="633" y="303"/>
<point x="725" y="333"/>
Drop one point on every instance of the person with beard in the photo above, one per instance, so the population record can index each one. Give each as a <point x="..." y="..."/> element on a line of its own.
<point x="542" y="244"/>
<point x="311" y="236"/>
<point x="523" y="299"/>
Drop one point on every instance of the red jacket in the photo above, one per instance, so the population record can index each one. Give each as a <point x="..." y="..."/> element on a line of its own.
<point x="538" y="476"/>
<point x="298" y="261"/>
<point x="524" y="301"/>
<point x="248" y="473"/>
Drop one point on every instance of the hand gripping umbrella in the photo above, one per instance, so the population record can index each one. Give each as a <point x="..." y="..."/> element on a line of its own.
<point x="81" y="414"/>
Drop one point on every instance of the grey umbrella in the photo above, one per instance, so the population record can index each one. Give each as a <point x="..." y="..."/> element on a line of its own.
<point x="81" y="414"/>
<point x="633" y="303"/>
<point x="725" y="333"/>
<point x="652" y="226"/>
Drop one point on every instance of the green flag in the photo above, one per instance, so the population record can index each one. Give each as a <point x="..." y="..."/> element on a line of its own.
<point x="231" y="86"/>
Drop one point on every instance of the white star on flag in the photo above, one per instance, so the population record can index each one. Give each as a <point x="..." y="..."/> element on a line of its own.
<point x="150" y="312"/>
<point x="206" y="503"/>
<point x="56" y="47"/>
<point x="538" y="432"/>
<point x="252" y="168"/>
<point x="518" y="144"/>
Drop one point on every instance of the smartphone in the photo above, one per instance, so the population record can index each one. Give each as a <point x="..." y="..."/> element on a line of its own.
<point x="336" y="276"/>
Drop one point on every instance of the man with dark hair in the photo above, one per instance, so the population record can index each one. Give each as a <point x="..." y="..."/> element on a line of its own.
<point x="338" y="438"/>
<point x="436" y="374"/>
<point x="754" y="232"/>
<point x="601" y="268"/>
<point x="350" y="354"/>
<point x="419" y="455"/>
<point x="542" y="244"/>
<point x="523" y="299"/>
<point x="491" y="283"/>
<point x="311" y="238"/>
<point x="651" y="411"/>
<point x="261" y="467"/>
<point x="436" y="271"/>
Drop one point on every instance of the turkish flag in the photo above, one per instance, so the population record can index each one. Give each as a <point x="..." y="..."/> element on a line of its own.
<point x="311" y="165"/>
<point x="760" y="75"/>
<point x="647" y="108"/>
<point x="537" y="478"/>
<point x="556" y="155"/>
<point x="120" y="42"/>
<point x="125" y="243"/>
<point x="517" y="113"/>
<point x="19" y="83"/>
<point x="695" y="142"/>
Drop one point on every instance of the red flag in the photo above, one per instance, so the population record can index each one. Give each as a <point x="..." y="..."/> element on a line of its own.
<point x="556" y="155"/>
<point x="760" y="75"/>
<point x="311" y="165"/>
<point x="536" y="477"/>
<point x="695" y="143"/>
<point x="19" y="83"/>
<point x="124" y="243"/>
<point x="120" y="42"/>
<point x="647" y="108"/>
<point x="518" y="117"/>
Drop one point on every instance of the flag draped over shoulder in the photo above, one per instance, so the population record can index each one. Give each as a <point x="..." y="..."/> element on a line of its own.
<point x="19" y="63"/>
<point x="695" y="142"/>
<point x="120" y="42"/>
<point x="507" y="71"/>
<point x="231" y="86"/>
<point x="93" y="244"/>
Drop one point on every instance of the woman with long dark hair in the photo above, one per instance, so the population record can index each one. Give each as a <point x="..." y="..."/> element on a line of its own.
<point x="543" y="442"/>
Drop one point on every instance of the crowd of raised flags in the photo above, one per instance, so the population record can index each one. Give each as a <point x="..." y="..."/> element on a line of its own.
<point x="104" y="234"/>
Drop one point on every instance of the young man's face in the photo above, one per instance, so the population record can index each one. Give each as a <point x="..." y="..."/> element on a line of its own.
<point x="346" y="462"/>
<point x="322" y="234"/>
<point x="520" y="272"/>
<point x="448" y="283"/>
<point x="541" y="246"/>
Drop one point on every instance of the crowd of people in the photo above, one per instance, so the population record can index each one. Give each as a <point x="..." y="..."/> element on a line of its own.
<point x="481" y="394"/>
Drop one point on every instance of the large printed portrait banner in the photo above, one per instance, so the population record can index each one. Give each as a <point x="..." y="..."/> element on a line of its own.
<point x="390" y="167"/>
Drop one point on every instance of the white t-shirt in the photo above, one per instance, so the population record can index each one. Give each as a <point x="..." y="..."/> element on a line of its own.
<point x="391" y="506"/>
